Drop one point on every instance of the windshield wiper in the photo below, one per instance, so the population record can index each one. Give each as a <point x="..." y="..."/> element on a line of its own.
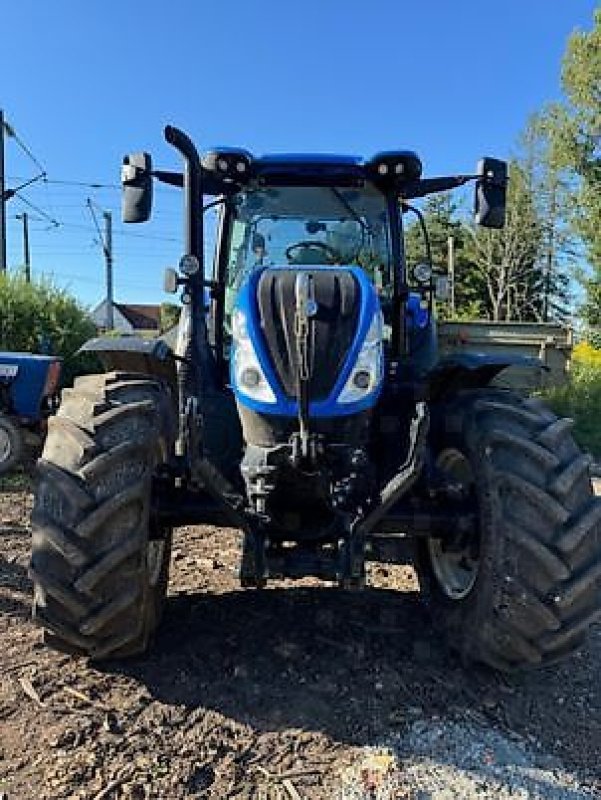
<point x="342" y="199"/>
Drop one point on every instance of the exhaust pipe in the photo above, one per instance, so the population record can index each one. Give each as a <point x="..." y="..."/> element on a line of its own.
<point x="196" y="368"/>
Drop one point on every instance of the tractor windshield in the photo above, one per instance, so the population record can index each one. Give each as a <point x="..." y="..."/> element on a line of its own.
<point x="284" y="226"/>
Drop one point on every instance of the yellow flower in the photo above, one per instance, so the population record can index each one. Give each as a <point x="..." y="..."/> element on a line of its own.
<point x="585" y="354"/>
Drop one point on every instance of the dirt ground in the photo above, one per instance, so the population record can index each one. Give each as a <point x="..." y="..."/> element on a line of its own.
<point x="283" y="693"/>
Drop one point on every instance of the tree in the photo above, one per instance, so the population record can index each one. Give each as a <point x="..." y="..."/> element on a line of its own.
<point x="41" y="318"/>
<point x="550" y="189"/>
<point x="443" y="222"/>
<point x="592" y="306"/>
<point x="506" y="260"/>
<point x="575" y="130"/>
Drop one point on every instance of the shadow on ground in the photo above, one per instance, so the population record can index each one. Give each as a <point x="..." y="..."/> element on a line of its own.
<point x="311" y="658"/>
<point x="354" y="666"/>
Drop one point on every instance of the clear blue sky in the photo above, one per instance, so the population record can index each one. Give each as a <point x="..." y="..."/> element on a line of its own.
<point x="85" y="82"/>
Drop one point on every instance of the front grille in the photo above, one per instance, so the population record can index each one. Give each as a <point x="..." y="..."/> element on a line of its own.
<point x="333" y="328"/>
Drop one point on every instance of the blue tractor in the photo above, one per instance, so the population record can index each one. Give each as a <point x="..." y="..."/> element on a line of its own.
<point x="28" y="395"/>
<point x="305" y="403"/>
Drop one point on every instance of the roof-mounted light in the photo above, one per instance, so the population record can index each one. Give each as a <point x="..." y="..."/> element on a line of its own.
<point x="395" y="165"/>
<point x="229" y="164"/>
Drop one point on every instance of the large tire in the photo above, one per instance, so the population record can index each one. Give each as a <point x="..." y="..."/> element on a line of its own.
<point x="537" y="585"/>
<point x="99" y="563"/>
<point x="11" y="445"/>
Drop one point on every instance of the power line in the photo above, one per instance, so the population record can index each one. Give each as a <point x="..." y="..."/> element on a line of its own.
<point x="130" y="234"/>
<point x="97" y="226"/>
<point x="93" y="184"/>
<point x="37" y="209"/>
<point x="95" y="282"/>
<point x="86" y="184"/>
<point x="10" y="193"/>
<point x="80" y="226"/>
<point x="11" y="133"/>
<point x="31" y="219"/>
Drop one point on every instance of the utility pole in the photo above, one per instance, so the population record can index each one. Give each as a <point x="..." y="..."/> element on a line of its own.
<point x="2" y="198"/>
<point x="106" y="242"/>
<point x="26" y="259"/>
<point x="451" y="258"/>
<point x="108" y="255"/>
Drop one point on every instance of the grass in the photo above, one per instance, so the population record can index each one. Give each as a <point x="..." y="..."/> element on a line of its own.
<point x="17" y="481"/>
<point x="580" y="398"/>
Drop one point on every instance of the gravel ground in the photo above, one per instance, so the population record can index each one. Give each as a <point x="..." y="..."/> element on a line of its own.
<point x="296" y="691"/>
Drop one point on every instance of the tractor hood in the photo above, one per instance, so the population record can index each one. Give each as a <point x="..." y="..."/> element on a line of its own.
<point x="343" y="366"/>
<point x="28" y="379"/>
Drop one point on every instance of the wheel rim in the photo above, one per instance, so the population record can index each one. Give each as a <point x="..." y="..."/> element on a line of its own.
<point x="5" y="445"/>
<point x="154" y="560"/>
<point x="456" y="569"/>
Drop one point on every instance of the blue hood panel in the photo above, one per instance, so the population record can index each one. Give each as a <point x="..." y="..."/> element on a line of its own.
<point x="284" y="406"/>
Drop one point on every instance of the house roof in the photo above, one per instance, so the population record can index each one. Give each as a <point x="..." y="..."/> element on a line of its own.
<point x="141" y="317"/>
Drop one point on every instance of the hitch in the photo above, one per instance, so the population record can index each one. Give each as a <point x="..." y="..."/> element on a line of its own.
<point x="343" y="561"/>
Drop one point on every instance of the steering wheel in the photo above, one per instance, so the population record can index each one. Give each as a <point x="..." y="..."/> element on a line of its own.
<point x="330" y="252"/>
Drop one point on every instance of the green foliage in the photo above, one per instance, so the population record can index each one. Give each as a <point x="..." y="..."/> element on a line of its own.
<point x="574" y="127"/>
<point x="551" y="190"/>
<point x="521" y="272"/>
<point x="592" y="306"/>
<point x="41" y="318"/>
<point x="169" y="316"/>
<point x="507" y="259"/>
<point x="15" y="481"/>
<point x="580" y="399"/>
<point x="443" y="221"/>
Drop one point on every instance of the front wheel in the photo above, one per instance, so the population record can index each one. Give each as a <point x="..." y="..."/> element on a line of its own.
<point x="523" y="587"/>
<point x="100" y="562"/>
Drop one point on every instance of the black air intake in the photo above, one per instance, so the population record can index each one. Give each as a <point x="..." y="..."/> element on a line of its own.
<point x="333" y="327"/>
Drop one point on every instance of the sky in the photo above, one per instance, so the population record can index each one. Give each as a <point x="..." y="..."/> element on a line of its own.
<point x="83" y="83"/>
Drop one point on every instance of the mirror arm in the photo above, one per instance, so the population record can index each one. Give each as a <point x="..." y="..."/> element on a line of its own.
<point x="171" y="178"/>
<point x="432" y="185"/>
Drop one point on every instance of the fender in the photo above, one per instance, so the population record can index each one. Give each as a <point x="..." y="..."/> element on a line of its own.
<point x="133" y="354"/>
<point x="472" y="371"/>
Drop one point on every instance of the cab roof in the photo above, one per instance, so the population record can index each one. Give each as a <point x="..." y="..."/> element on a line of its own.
<point x="237" y="167"/>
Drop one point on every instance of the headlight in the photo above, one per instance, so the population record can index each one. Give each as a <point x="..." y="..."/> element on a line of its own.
<point x="366" y="374"/>
<point x="247" y="373"/>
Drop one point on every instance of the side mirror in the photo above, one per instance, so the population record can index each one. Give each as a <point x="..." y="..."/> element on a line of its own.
<point x="170" y="281"/>
<point x="491" y="193"/>
<point x="136" y="183"/>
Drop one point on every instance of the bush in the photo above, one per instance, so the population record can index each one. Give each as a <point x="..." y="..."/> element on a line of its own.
<point x="41" y="318"/>
<point x="580" y="398"/>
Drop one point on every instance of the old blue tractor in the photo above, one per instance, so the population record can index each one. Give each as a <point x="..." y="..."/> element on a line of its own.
<point x="306" y="404"/>
<point x="28" y="395"/>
